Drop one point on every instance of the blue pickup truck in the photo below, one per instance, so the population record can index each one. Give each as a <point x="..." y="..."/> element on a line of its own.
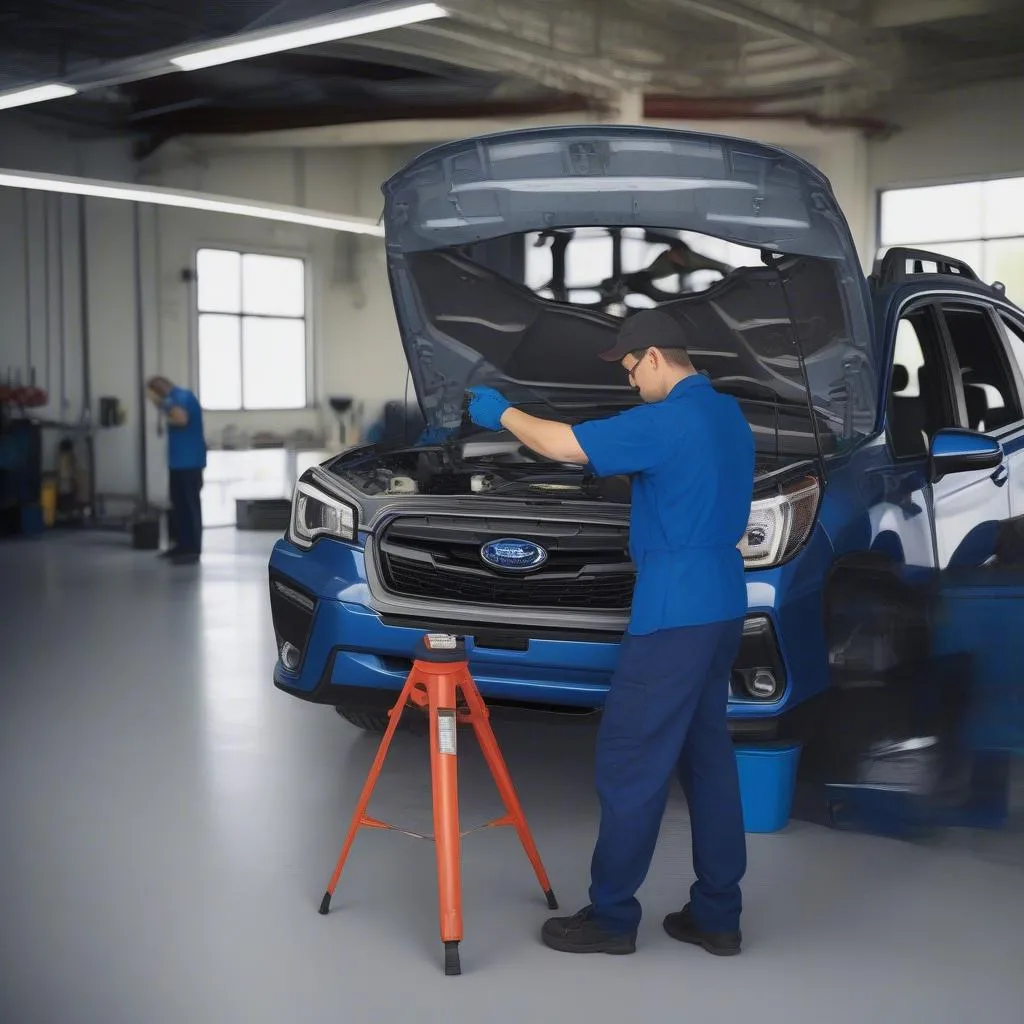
<point x="886" y="411"/>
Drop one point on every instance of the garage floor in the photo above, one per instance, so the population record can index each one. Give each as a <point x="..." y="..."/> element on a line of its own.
<point x="171" y="820"/>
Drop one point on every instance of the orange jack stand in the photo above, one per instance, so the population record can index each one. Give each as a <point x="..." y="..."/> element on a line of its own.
<point x="439" y="674"/>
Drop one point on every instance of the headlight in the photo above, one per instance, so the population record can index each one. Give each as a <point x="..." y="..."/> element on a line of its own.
<point x="780" y="524"/>
<point x="316" y="514"/>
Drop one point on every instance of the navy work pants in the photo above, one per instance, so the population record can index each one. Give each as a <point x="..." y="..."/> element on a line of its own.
<point x="666" y="713"/>
<point x="187" y="510"/>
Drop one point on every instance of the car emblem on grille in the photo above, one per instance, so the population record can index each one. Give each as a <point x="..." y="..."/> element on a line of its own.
<point x="513" y="555"/>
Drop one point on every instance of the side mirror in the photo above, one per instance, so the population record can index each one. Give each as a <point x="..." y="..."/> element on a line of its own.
<point x="955" y="450"/>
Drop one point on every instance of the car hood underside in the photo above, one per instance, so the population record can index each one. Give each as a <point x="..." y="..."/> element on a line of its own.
<point x="466" y="317"/>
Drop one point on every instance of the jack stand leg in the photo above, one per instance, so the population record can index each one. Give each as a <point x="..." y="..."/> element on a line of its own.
<point x="502" y="779"/>
<point x="451" y="958"/>
<point x="364" y="797"/>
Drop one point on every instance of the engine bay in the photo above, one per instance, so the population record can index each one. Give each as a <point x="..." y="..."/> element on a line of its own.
<point x="501" y="468"/>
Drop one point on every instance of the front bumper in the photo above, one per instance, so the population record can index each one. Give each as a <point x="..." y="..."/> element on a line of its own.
<point x="345" y="652"/>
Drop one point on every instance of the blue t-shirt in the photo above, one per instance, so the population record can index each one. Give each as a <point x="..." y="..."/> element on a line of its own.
<point x="691" y="459"/>
<point x="186" y="446"/>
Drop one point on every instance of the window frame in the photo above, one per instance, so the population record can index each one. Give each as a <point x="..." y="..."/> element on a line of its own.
<point x="307" y="319"/>
<point x="1009" y="362"/>
<point x="953" y="393"/>
<point x="1013" y="325"/>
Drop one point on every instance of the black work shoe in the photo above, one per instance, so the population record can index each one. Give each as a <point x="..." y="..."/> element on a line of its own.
<point x="185" y="558"/>
<point x="681" y="926"/>
<point x="168" y="553"/>
<point x="582" y="934"/>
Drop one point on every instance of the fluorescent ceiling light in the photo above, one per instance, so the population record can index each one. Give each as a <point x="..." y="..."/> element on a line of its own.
<point x="37" y="94"/>
<point x="189" y="200"/>
<point x="342" y="28"/>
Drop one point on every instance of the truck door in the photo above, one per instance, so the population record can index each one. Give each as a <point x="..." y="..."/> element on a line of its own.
<point x="1012" y="438"/>
<point x="973" y="508"/>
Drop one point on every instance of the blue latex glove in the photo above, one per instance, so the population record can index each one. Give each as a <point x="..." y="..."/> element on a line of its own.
<point x="486" y="407"/>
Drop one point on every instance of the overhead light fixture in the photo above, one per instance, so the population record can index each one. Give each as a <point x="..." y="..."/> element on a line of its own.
<point x="36" y="94"/>
<point x="341" y="28"/>
<point x="189" y="200"/>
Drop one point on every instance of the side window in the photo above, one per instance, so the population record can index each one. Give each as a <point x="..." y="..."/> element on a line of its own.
<point x="990" y="391"/>
<point x="1014" y="335"/>
<point x="919" y="402"/>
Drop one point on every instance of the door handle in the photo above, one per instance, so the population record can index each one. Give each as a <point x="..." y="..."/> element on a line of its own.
<point x="1000" y="476"/>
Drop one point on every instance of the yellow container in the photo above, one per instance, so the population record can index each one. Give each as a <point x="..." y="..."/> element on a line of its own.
<point x="48" y="499"/>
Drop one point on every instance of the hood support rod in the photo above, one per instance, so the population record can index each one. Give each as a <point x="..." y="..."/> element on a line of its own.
<point x="774" y="260"/>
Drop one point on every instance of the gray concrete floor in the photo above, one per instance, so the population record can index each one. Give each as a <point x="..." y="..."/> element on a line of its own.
<point x="170" y="822"/>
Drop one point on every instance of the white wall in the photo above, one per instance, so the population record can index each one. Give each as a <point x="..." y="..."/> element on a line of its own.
<point x="962" y="134"/>
<point x="40" y="292"/>
<point x="355" y="345"/>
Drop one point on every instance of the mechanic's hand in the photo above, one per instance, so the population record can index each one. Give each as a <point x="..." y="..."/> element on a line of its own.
<point x="486" y="407"/>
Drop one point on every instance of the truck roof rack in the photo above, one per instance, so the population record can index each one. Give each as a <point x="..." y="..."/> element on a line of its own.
<point x="899" y="264"/>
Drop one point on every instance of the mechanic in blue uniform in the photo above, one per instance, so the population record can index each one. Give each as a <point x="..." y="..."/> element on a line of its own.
<point x="690" y="454"/>
<point x="186" y="460"/>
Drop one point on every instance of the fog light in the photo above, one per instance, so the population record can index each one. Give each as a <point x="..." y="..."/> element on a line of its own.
<point x="763" y="684"/>
<point x="290" y="656"/>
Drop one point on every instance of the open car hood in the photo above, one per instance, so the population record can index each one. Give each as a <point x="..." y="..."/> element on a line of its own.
<point x="465" y="317"/>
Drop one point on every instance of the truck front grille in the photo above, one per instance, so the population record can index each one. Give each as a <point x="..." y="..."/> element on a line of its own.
<point x="438" y="558"/>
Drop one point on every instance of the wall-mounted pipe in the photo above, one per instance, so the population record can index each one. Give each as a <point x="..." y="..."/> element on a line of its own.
<point x="158" y="270"/>
<point x="46" y="290"/>
<point x="26" y="256"/>
<point x="62" y="309"/>
<point x="682" y="108"/>
<point x="83" y="287"/>
<point x="140" y="352"/>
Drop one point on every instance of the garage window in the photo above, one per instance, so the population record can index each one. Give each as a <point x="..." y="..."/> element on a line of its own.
<point x="979" y="222"/>
<point x="252" y="330"/>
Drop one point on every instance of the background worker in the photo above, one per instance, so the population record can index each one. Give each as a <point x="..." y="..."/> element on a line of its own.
<point x="690" y="454"/>
<point x="186" y="460"/>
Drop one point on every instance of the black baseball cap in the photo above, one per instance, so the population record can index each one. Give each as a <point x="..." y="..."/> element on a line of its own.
<point x="650" y="328"/>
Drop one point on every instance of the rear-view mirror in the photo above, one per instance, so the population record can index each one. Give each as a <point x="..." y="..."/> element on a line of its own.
<point x="955" y="450"/>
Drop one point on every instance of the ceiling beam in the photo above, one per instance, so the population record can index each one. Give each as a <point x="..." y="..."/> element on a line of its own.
<point x="229" y="121"/>
<point x="600" y="77"/>
<point x="885" y="14"/>
<point x="465" y="49"/>
<point x="800" y="22"/>
<point x="956" y="73"/>
<point x="631" y="41"/>
<point x="774" y="78"/>
<point x="418" y="131"/>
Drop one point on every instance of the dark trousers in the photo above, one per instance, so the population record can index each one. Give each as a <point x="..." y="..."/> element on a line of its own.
<point x="187" y="510"/>
<point x="666" y="713"/>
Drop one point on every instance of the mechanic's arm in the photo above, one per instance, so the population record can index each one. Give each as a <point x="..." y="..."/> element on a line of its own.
<point x="549" y="438"/>
<point x="177" y="416"/>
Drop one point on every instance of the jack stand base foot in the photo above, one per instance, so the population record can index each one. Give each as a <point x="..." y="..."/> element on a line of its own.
<point x="451" y="958"/>
<point x="325" y="903"/>
<point x="552" y="902"/>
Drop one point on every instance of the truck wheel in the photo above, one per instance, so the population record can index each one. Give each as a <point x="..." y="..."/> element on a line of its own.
<point x="370" y="720"/>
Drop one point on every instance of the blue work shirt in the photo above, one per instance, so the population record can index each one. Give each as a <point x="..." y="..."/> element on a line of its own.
<point x="691" y="459"/>
<point x="186" y="446"/>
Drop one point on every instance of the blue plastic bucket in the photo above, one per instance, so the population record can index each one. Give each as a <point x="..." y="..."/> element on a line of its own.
<point x="767" y="782"/>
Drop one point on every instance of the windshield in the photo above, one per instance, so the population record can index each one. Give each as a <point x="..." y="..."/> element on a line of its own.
<point x="529" y="312"/>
